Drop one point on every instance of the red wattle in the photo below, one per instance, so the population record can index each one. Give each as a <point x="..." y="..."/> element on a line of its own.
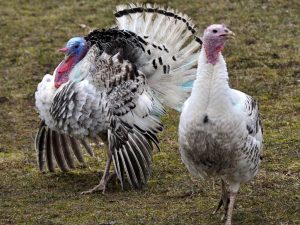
<point x="57" y="85"/>
<point x="62" y="71"/>
<point x="64" y="66"/>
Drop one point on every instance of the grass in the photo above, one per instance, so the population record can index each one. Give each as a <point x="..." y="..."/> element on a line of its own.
<point x="263" y="61"/>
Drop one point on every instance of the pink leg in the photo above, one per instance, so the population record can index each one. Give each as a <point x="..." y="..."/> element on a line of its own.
<point x="232" y="196"/>
<point x="106" y="177"/>
<point x="224" y="200"/>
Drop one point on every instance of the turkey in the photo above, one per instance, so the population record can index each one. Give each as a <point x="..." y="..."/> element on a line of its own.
<point x="220" y="132"/>
<point x="111" y="86"/>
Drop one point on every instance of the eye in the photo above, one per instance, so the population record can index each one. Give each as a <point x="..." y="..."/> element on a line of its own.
<point x="76" y="46"/>
<point x="226" y="31"/>
<point x="215" y="31"/>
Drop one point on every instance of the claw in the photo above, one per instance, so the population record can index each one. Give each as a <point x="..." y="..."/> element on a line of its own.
<point x="99" y="187"/>
<point x="102" y="185"/>
<point x="106" y="178"/>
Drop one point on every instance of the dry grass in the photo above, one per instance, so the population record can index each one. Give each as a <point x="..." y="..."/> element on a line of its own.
<point x="264" y="61"/>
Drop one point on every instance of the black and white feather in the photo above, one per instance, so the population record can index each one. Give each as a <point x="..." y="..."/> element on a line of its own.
<point x="117" y="90"/>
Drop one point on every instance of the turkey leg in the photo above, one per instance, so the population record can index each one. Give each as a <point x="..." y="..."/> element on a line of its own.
<point x="224" y="200"/>
<point x="232" y="197"/>
<point x="106" y="178"/>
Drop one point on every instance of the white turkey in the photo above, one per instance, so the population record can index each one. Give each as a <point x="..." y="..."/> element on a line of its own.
<point x="111" y="86"/>
<point x="220" y="132"/>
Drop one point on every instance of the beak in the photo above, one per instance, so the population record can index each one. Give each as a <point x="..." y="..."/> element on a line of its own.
<point x="64" y="50"/>
<point x="229" y="35"/>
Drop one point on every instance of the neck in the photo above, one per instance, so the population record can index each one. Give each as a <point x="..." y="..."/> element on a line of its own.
<point x="212" y="56"/>
<point x="212" y="50"/>
<point x="211" y="84"/>
<point x="212" y="71"/>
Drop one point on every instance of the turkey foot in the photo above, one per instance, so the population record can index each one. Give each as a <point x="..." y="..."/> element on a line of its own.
<point x="107" y="176"/>
<point x="224" y="200"/>
<point x="102" y="185"/>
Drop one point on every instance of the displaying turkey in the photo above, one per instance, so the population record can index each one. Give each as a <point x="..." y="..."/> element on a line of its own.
<point x="111" y="86"/>
<point x="220" y="132"/>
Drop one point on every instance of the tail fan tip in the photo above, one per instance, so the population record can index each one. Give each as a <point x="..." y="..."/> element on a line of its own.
<point x="134" y="9"/>
<point x="171" y="45"/>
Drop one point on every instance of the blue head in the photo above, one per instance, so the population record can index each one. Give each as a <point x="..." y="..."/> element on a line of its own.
<point x="75" y="50"/>
<point x="76" y="46"/>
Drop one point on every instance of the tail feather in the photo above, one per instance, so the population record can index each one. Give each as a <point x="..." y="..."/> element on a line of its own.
<point x="170" y="45"/>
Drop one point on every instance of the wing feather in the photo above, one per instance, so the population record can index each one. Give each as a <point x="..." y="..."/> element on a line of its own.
<point x="49" y="151"/>
<point x="67" y="151"/>
<point x="132" y="169"/>
<point x="145" y="160"/>
<point x="123" y="161"/>
<point x="57" y="151"/>
<point x="39" y="145"/>
<point x="140" y="167"/>
<point x="88" y="147"/>
<point x="133" y="117"/>
<point x="249" y="107"/>
<point x="76" y="150"/>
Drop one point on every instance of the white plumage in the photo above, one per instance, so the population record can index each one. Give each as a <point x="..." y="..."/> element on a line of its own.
<point x="171" y="39"/>
<point x="220" y="133"/>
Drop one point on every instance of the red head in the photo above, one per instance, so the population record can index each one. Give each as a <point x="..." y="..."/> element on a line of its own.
<point x="75" y="50"/>
<point x="214" y="39"/>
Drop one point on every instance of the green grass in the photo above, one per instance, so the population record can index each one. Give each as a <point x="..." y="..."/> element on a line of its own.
<point x="263" y="61"/>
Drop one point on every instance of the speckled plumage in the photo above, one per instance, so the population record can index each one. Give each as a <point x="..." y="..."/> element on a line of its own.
<point x="220" y="133"/>
<point x="116" y="92"/>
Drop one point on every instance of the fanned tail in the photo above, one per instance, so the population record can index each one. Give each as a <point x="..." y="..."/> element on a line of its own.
<point x="171" y="45"/>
